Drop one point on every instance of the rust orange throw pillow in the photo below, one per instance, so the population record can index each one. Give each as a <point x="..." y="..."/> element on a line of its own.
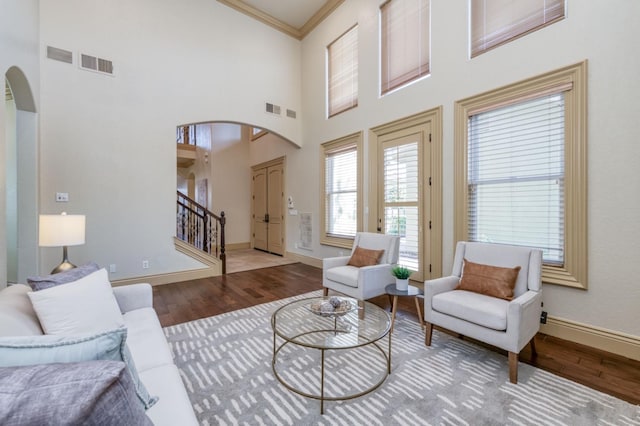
<point x="365" y="257"/>
<point x="490" y="280"/>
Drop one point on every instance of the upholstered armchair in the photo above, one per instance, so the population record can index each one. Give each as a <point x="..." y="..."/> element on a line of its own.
<point x="362" y="282"/>
<point x="507" y="324"/>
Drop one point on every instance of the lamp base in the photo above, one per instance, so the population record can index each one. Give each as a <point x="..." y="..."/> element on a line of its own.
<point x="64" y="266"/>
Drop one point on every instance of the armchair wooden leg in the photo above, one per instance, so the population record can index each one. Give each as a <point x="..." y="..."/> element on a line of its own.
<point x="325" y="291"/>
<point x="534" y="352"/>
<point x="361" y="309"/>
<point x="513" y="367"/>
<point x="427" y="333"/>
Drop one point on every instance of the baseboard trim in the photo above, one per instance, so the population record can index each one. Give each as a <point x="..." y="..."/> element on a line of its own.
<point x="307" y="260"/>
<point x="622" y="344"/>
<point x="168" y="278"/>
<point x="237" y="246"/>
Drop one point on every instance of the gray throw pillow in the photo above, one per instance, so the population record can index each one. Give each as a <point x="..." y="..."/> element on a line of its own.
<point x="86" y="393"/>
<point x="41" y="283"/>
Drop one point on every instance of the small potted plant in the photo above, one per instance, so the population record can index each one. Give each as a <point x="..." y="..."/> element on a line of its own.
<point x="402" y="275"/>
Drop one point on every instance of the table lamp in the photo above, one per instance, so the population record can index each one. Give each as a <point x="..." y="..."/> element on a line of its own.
<point x="61" y="230"/>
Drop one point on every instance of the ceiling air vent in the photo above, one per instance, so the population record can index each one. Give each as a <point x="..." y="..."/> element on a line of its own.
<point x="273" y="109"/>
<point x="94" y="63"/>
<point x="59" y="55"/>
<point x="291" y="113"/>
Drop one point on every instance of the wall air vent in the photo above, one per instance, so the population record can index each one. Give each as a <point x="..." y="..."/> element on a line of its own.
<point x="59" y="55"/>
<point x="291" y="113"/>
<point x="273" y="109"/>
<point x="93" y="63"/>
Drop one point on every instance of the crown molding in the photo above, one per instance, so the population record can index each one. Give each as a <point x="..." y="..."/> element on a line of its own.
<point x="265" y="18"/>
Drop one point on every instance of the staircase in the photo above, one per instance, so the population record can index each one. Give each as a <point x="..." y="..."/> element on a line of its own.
<point x="200" y="228"/>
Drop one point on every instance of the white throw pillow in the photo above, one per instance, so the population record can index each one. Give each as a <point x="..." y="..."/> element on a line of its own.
<point x="83" y="306"/>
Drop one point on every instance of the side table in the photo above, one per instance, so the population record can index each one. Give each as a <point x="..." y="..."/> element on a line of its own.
<point x="411" y="291"/>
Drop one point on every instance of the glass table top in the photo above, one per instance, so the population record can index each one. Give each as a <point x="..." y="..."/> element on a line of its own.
<point x="298" y="323"/>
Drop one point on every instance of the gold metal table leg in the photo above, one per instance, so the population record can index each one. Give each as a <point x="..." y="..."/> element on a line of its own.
<point x="322" y="384"/>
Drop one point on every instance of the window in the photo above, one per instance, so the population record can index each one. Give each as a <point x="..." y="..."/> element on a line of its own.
<point x="342" y="58"/>
<point x="515" y="176"/>
<point x="496" y="22"/>
<point x="404" y="50"/>
<point x="257" y="132"/>
<point x="521" y="170"/>
<point x="341" y="188"/>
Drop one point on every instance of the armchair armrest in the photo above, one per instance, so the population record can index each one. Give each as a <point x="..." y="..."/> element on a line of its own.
<point x="373" y="279"/>
<point x="523" y="317"/>
<point x="332" y="262"/>
<point x="439" y="285"/>
<point x="134" y="296"/>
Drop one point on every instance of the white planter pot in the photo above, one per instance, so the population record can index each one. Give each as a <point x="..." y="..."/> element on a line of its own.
<point x="402" y="285"/>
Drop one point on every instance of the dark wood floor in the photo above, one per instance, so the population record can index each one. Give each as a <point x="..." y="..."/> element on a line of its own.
<point x="190" y="300"/>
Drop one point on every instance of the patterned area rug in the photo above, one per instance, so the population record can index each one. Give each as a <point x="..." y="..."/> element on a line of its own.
<point x="225" y="362"/>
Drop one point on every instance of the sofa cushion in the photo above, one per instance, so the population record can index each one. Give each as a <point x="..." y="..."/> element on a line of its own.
<point x="28" y="350"/>
<point x="110" y="345"/>
<point x="165" y="381"/>
<point x="491" y="280"/>
<point x="347" y="275"/>
<point x="83" y="306"/>
<point x="365" y="257"/>
<point x="93" y="392"/>
<point x="17" y="317"/>
<point x="146" y="340"/>
<point x="41" y="283"/>
<point x="486" y="311"/>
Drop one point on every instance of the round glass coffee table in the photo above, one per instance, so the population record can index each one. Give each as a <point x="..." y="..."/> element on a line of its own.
<point x="333" y="369"/>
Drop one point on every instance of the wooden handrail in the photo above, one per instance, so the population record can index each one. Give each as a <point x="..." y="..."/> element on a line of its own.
<point x="200" y="227"/>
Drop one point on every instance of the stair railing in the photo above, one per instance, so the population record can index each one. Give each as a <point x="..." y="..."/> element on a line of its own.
<point x="201" y="228"/>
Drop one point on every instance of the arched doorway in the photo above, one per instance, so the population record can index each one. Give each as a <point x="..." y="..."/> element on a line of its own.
<point x="19" y="217"/>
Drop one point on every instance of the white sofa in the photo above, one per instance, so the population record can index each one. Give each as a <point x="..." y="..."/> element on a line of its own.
<point x="145" y="339"/>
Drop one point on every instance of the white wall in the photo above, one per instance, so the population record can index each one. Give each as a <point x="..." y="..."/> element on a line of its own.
<point x="110" y="141"/>
<point x="231" y="180"/>
<point x="613" y="298"/>
<point x="11" y="190"/>
<point x="19" y="47"/>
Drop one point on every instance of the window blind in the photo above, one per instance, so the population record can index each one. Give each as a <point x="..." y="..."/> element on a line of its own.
<point x="404" y="52"/>
<point x="401" y="198"/>
<point x="343" y="72"/>
<point x="515" y="176"/>
<point x="341" y="191"/>
<point x="495" y="22"/>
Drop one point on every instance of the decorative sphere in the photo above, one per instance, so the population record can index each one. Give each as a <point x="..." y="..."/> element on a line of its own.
<point x="335" y="301"/>
<point x="326" y="307"/>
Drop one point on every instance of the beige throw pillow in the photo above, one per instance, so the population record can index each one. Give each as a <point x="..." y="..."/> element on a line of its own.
<point x="489" y="280"/>
<point x="365" y="257"/>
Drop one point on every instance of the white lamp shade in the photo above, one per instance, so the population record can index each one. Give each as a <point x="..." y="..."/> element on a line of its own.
<point x="61" y="230"/>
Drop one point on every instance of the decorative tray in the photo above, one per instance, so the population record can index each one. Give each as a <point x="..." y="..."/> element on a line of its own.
<point x="332" y="307"/>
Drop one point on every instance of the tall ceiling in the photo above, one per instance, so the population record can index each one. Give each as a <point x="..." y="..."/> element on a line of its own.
<point x="293" y="17"/>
